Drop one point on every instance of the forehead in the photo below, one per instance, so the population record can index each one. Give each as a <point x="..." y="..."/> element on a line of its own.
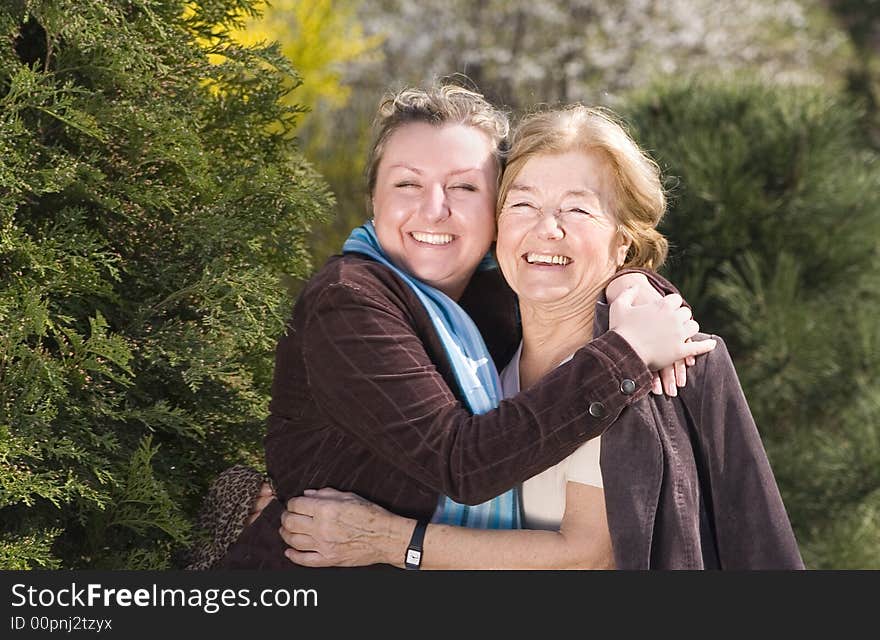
<point x="579" y="171"/>
<point x="449" y="147"/>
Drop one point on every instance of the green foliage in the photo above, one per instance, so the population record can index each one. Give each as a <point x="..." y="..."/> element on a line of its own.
<point x="149" y="203"/>
<point x="775" y="240"/>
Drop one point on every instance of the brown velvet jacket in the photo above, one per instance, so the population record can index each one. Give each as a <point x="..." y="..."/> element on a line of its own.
<point x="364" y="400"/>
<point x="687" y="482"/>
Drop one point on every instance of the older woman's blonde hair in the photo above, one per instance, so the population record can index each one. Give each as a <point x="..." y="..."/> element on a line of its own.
<point x="638" y="202"/>
<point x="437" y="105"/>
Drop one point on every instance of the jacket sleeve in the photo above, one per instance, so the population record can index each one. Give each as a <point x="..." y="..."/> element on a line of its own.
<point x="370" y="374"/>
<point x="752" y="529"/>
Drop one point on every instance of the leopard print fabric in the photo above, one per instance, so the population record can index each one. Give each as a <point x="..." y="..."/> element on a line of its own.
<point x="223" y="515"/>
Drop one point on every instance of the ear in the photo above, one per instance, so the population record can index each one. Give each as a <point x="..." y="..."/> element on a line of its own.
<point x="623" y="248"/>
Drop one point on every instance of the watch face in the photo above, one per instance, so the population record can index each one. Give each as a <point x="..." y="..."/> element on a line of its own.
<point x="413" y="557"/>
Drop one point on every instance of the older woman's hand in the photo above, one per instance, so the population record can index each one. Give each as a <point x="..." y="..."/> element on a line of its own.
<point x="668" y="378"/>
<point x="330" y="528"/>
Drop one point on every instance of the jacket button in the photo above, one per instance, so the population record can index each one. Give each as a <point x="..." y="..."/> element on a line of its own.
<point x="627" y="387"/>
<point x="597" y="409"/>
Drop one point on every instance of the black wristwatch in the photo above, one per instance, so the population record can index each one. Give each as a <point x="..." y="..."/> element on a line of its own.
<point x="413" y="559"/>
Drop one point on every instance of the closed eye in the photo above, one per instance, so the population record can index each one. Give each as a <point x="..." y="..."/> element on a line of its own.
<point x="465" y="186"/>
<point x="405" y="184"/>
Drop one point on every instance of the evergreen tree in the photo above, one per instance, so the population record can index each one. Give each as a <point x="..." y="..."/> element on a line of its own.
<point x="775" y="235"/>
<point x="150" y="201"/>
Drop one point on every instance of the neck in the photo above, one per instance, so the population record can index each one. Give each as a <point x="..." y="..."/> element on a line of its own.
<point x="552" y="332"/>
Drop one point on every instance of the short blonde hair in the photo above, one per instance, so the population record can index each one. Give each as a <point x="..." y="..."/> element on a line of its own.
<point x="437" y="105"/>
<point x="638" y="202"/>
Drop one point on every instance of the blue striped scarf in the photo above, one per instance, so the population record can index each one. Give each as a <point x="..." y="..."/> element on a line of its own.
<point x="474" y="371"/>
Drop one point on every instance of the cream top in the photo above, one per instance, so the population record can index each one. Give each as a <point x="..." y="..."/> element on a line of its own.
<point x="543" y="495"/>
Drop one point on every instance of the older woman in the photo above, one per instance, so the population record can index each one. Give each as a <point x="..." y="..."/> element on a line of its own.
<point x="675" y="483"/>
<point x="383" y="385"/>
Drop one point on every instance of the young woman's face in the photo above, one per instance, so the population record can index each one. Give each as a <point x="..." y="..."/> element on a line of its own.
<point x="557" y="237"/>
<point x="434" y="202"/>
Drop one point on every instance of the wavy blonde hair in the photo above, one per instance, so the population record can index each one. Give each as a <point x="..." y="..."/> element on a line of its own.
<point x="638" y="202"/>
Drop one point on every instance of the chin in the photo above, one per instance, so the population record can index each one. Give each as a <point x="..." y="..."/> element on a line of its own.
<point x="543" y="296"/>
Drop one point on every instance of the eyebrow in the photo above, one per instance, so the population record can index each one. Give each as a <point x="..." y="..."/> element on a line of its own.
<point x="518" y="186"/>
<point x="409" y="167"/>
<point x="403" y="165"/>
<point x="583" y="192"/>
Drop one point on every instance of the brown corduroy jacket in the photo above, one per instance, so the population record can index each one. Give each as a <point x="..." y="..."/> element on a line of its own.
<point x="364" y="400"/>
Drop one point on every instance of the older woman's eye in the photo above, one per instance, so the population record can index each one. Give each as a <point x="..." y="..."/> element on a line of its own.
<point x="401" y="185"/>
<point x="578" y="212"/>
<point x="465" y="187"/>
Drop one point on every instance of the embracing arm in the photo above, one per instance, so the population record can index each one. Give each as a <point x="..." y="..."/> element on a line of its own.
<point x="370" y="374"/>
<point x="333" y="528"/>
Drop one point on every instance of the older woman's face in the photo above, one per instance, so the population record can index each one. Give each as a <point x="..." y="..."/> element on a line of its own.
<point x="434" y="202"/>
<point x="557" y="238"/>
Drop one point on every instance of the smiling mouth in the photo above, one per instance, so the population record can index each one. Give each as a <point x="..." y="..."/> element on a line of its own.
<point x="436" y="239"/>
<point x="547" y="259"/>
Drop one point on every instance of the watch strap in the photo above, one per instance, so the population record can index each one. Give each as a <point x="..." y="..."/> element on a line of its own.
<point x="413" y="558"/>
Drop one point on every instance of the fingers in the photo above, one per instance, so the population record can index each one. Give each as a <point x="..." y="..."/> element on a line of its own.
<point x="667" y="376"/>
<point x="699" y="347"/>
<point x="327" y="492"/>
<point x="307" y="558"/>
<point x="656" y="385"/>
<point x="690" y="329"/>
<point x="626" y="297"/>
<point x="297" y="523"/>
<point x="298" y="541"/>
<point x="690" y="360"/>
<point x="257" y="507"/>
<point x="261" y="502"/>
<point x="673" y="301"/>
<point x="680" y="373"/>
<point x="266" y="489"/>
<point x="304" y="505"/>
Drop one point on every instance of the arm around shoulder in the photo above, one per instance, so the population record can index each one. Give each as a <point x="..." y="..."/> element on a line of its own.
<point x="369" y="371"/>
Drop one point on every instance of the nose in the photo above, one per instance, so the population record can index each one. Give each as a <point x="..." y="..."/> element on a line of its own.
<point x="435" y="207"/>
<point x="547" y="227"/>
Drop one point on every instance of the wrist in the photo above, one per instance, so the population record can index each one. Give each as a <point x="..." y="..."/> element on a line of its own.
<point x="399" y="534"/>
<point x="634" y="344"/>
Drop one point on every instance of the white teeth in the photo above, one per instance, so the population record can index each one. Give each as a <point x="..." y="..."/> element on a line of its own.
<point x="432" y="238"/>
<point x="542" y="258"/>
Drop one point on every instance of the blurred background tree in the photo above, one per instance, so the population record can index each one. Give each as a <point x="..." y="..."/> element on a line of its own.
<point x="774" y="222"/>
<point x="149" y="202"/>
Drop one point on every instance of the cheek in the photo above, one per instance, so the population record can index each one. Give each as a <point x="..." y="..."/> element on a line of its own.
<point x="506" y="247"/>
<point x="481" y="221"/>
